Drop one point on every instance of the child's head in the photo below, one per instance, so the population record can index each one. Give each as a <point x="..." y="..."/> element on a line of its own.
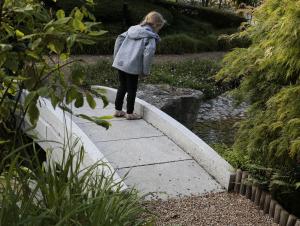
<point x="155" y="20"/>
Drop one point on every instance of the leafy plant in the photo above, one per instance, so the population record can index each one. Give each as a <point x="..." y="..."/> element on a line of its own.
<point x="35" y="45"/>
<point x="65" y="193"/>
<point x="269" y="72"/>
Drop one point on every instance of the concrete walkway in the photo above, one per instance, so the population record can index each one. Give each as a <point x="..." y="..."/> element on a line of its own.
<point x="154" y="163"/>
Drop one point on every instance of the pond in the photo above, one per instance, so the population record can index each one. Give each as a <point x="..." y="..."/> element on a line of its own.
<point x="214" y="121"/>
<point x="221" y="131"/>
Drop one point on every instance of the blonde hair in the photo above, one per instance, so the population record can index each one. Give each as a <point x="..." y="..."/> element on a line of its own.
<point x="154" y="19"/>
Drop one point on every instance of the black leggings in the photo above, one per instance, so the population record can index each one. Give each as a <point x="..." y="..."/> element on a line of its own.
<point x="128" y="84"/>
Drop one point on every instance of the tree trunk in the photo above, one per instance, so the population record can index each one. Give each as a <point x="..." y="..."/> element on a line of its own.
<point x="206" y="3"/>
<point x="220" y="4"/>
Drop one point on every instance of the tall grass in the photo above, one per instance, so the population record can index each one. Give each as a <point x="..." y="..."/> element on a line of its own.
<point x="64" y="194"/>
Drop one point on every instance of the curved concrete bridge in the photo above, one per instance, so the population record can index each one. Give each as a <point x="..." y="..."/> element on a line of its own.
<point x="161" y="157"/>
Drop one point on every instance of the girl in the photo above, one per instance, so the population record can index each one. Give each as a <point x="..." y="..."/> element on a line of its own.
<point x="133" y="54"/>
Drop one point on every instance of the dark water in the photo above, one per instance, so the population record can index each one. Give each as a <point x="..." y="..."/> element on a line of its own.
<point x="211" y="131"/>
<point x="221" y="131"/>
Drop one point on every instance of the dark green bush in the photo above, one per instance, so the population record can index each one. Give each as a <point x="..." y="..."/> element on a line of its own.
<point x="219" y="18"/>
<point x="188" y="25"/>
<point x="237" y="40"/>
<point x="104" y="46"/>
<point x="108" y="10"/>
<point x="101" y="73"/>
<point x="139" y="9"/>
<point x="182" y="43"/>
<point x="178" y="44"/>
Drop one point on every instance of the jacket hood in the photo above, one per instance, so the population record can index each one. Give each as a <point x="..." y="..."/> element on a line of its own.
<point x="138" y="32"/>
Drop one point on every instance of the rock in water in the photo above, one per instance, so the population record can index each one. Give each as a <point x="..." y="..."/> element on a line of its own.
<point x="180" y="103"/>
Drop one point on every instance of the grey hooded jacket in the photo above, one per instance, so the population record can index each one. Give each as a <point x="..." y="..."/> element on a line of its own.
<point x="134" y="50"/>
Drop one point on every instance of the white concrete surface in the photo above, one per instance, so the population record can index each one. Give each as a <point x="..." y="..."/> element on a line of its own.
<point x="155" y="164"/>
<point x="54" y="129"/>
<point x="173" y="179"/>
<point x="142" y="151"/>
<point x="211" y="161"/>
<point x="121" y="130"/>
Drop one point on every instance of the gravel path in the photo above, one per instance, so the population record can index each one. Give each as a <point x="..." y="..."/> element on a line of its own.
<point x="221" y="209"/>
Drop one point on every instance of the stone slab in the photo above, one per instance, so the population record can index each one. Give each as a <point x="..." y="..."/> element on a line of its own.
<point x="170" y="180"/>
<point x="210" y="160"/>
<point x="98" y="112"/>
<point x="143" y="151"/>
<point x="99" y="103"/>
<point x="121" y="130"/>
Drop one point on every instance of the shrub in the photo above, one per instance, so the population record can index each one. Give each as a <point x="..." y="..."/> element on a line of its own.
<point x="270" y="79"/>
<point x="104" y="10"/>
<point x="182" y="43"/>
<point x="104" y="45"/>
<point x="65" y="194"/>
<point x="101" y="73"/>
<point x="219" y="18"/>
<point x="138" y="10"/>
<point x="177" y="44"/>
<point x="237" y="40"/>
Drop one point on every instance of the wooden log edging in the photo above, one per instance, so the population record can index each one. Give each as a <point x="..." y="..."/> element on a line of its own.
<point x="262" y="199"/>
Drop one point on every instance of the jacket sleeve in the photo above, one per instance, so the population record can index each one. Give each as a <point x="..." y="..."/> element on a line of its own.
<point x="149" y="52"/>
<point x="119" y="42"/>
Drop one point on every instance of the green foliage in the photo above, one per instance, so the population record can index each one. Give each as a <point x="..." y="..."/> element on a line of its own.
<point x="237" y="40"/>
<point x="195" y="34"/>
<point x="65" y="193"/>
<point x="196" y="74"/>
<point x="269" y="71"/>
<point x="218" y="18"/>
<point x="237" y="159"/>
<point x="105" y="45"/>
<point x="35" y="46"/>
<point x="182" y="43"/>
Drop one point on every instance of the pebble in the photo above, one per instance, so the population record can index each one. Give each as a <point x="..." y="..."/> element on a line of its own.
<point x="216" y="209"/>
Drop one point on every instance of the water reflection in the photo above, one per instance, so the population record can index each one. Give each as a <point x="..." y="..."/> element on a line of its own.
<point x="221" y="131"/>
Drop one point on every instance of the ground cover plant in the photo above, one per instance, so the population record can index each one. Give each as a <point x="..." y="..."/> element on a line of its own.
<point x="269" y="74"/>
<point x="195" y="74"/>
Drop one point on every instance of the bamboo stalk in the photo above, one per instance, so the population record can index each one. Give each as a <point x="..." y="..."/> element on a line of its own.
<point x="253" y="193"/>
<point x="291" y="220"/>
<point x="272" y="208"/>
<point x="284" y="215"/>
<point x="243" y="185"/>
<point x="248" y="191"/>
<point x="257" y="196"/>
<point x="262" y="200"/>
<point x="267" y="203"/>
<point x="277" y="213"/>
<point x="238" y="179"/>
